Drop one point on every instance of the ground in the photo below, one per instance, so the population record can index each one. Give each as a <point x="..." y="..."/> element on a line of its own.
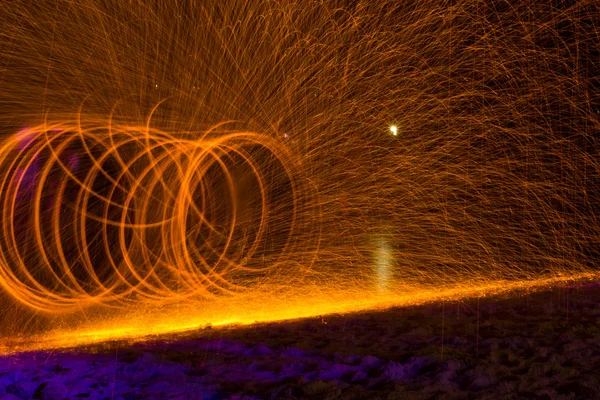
<point x="542" y="345"/>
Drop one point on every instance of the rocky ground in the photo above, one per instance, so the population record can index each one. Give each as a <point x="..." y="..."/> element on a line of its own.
<point x="539" y="346"/>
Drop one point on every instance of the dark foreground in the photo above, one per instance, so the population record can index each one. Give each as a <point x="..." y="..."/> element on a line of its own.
<point x="537" y="346"/>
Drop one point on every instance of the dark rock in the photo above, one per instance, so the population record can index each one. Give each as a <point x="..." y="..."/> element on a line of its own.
<point x="51" y="391"/>
<point x="22" y="389"/>
<point x="579" y="389"/>
<point x="316" y="387"/>
<point x="9" y="397"/>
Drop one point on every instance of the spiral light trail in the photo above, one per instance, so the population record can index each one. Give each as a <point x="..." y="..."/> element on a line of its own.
<point x="129" y="212"/>
<point x="174" y="163"/>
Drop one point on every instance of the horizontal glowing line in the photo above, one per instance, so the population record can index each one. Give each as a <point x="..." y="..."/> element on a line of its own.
<point x="268" y="309"/>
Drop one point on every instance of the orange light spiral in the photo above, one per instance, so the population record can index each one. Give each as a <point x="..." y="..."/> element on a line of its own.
<point x="113" y="214"/>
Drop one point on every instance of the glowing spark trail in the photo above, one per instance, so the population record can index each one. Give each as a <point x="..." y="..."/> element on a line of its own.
<point x="172" y="163"/>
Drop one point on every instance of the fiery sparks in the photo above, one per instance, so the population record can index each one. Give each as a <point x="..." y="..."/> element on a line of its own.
<point x="218" y="162"/>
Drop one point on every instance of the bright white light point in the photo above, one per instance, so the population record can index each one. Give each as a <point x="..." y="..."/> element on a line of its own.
<point x="394" y="130"/>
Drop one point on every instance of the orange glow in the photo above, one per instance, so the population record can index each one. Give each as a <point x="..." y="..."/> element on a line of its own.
<point x="167" y="164"/>
<point x="144" y="323"/>
<point x="113" y="215"/>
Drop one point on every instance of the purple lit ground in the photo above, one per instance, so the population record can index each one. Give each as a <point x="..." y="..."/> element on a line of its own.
<point x="542" y="346"/>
